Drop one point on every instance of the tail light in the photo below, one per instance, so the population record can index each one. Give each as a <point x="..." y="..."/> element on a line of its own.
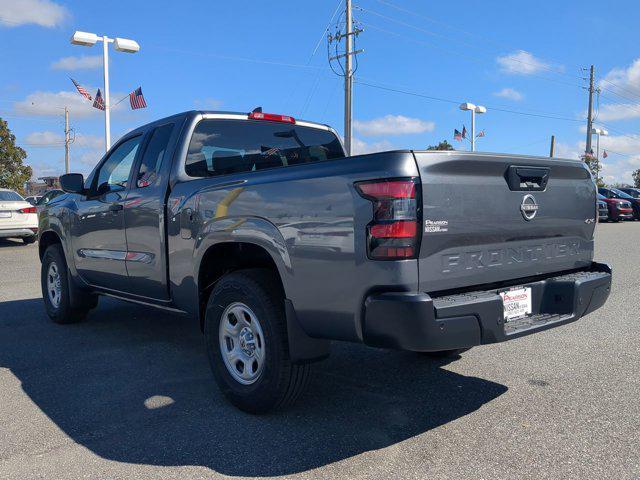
<point x="393" y="233"/>
<point x="272" y="117"/>
<point x="28" y="210"/>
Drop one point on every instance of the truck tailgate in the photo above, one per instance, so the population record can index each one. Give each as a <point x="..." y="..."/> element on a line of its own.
<point x="490" y="218"/>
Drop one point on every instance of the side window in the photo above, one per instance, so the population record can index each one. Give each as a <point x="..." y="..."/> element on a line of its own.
<point x="153" y="155"/>
<point x="114" y="172"/>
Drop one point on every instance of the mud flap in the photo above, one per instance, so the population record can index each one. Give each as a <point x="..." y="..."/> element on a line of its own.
<point x="302" y="347"/>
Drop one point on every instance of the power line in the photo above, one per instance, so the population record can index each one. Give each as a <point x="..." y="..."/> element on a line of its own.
<point x="457" y="102"/>
<point x="457" y="54"/>
<point x="316" y="82"/>
<point x="474" y="46"/>
<point x="413" y="13"/>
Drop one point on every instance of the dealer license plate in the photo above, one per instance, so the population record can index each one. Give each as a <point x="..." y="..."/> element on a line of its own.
<point x="517" y="303"/>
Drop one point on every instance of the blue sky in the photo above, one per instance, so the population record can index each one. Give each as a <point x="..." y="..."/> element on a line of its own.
<point x="524" y="57"/>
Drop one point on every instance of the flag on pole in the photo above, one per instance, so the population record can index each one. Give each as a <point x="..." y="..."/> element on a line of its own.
<point x="457" y="135"/>
<point x="137" y="99"/>
<point x="481" y="134"/>
<point x="81" y="90"/>
<point x="464" y="132"/>
<point x="99" y="101"/>
<point x="604" y="154"/>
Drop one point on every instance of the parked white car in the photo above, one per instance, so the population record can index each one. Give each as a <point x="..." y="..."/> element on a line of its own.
<point x="18" y="218"/>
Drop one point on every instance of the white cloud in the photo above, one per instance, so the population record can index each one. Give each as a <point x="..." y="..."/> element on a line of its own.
<point x="48" y="104"/>
<point x="88" y="160"/>
<point x="360" y="147"/>
<point x="626" y="80"/>
<point x="44" y="138"/>
<point x="47" y="138"/>
<point x="40" y="12"/>
<point x="392" y="125"/>
<point x="615" y="168"/>
<point x="510" y="94"/>
<point x="83" y="62"/>
<point x="522" y="63"/>
<point x="611" y="112"/>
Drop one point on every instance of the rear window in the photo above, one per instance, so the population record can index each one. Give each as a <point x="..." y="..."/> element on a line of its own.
<point x="220" y="147"/>
<point x="10" y="196"/>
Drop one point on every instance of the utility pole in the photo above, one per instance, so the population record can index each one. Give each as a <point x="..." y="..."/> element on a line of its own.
<point x="590" y="111"/>
<point x="348" y="80"/>
<point x="553" y="146"/>
<point x="347" y="69"/>
<point x="66" y="140"/>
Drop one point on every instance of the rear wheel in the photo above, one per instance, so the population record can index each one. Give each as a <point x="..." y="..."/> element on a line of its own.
<point x="246" y="335"/>
<point x="54" y="280"/>
<point x="29" y="240"/>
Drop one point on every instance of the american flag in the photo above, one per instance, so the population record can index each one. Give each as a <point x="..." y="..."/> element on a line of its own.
<point x="99" y="101"/>
<point x="481" y="134"/>
<point x="81" y="90"/>
<point x="137" y="99"/>
<point x="457" y="135"/>
<point x="464" y="132"/>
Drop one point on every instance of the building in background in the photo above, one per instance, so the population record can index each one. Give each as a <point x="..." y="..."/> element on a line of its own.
<point x="44" y="185"/>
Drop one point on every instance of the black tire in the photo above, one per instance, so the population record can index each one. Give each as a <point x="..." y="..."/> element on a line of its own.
<point x="63" y="312"/>
<point x="280" y="382"/>
<point x="446" y="353"/>
<point x="29" y="240"/>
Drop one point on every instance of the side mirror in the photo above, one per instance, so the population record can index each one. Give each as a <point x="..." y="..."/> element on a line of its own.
<point x="72" y="183"/>
<point x="103" y="188"/>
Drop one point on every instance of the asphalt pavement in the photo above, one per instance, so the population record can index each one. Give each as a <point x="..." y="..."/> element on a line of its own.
<point x="129" y="394"/>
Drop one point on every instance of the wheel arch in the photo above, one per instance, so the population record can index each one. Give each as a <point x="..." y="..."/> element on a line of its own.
<point x="225" y="257"/>
<point x="47" y="239"/>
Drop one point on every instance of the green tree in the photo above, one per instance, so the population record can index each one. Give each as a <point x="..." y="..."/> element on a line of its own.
<point x="594" y="167"/>
<point x="13" y="172"/>
<point x="636" y="178"/>
<point x="443" y="145"/>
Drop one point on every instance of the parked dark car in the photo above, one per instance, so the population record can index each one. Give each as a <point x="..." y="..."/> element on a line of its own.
<point x="603" y="209"/>
<point x="633" y="203"/>
<point x="634" y="192"/>
<point x="33" y="199"/>
<point x="261" y="228"/>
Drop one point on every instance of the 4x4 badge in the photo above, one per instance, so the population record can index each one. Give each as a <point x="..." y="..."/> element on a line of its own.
<point x="529" y="207"/>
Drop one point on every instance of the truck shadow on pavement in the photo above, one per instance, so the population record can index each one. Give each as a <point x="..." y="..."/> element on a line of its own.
<point x="133" y="385"/>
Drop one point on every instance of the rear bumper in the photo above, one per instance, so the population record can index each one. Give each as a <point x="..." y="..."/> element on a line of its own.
<point x="18" y="232"/>
<point x="419" y="322"/>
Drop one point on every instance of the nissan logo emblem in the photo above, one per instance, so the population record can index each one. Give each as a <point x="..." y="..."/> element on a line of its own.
<point x="529" y="207"/>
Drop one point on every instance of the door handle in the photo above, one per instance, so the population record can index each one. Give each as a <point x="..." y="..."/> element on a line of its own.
<point x="115" y="207"/>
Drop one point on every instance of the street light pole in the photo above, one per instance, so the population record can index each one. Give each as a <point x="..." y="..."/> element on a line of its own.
<point x="87" y="39"/>
<point x="107" y="104"/>
<point x="474" y="109"/>
<point x="473" y="130"/>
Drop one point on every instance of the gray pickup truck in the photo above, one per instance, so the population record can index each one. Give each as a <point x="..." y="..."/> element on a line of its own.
<point x="259" y="226"/>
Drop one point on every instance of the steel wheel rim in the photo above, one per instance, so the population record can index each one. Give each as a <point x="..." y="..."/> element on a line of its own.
<point x="54" y="285"/>
<point x="242" y="345"/>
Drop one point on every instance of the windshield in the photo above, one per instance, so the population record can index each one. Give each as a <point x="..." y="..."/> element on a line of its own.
<point x="8" y="196"/>
<point x="621" y="194"/>
<point x="220" y="147"/>
<point x="634" y="193"/>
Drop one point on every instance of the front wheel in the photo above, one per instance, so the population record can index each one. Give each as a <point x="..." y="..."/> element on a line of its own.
<point x="246" y="335"/>
<point x="54" y="280"/>
<point x="29" y="240"/>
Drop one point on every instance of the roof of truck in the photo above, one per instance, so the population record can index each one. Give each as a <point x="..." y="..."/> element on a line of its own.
<point x="230" y="115"/>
